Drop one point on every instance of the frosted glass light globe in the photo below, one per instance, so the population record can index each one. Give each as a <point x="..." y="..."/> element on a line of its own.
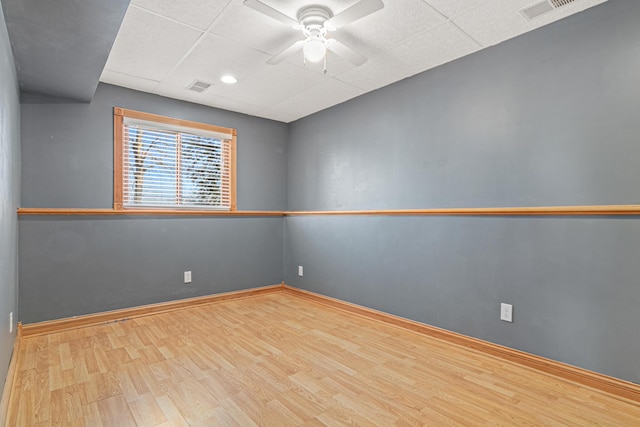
<point x="314" y="50"/>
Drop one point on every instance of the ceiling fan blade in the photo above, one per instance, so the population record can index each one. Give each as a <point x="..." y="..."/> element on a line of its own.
<point x="346" y="52"/>
<point x="286" y="53"/>
<point x="258" y="6"/>
<point x="355" y="12"/>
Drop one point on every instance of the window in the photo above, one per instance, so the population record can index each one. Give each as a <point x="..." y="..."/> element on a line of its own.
<point x="160" y="162"/>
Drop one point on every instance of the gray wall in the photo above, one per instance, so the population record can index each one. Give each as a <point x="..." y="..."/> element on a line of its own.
<point x="68" y="149"/>
<point x="73" y="266"/>
<point x="548" y="118"/>
<point x="9" y="196"/>
<point x="77" y="265"/>
<point x="62" y="46"/>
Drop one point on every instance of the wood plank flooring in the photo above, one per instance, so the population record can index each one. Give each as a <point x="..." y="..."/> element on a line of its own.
<point x="280" y="360"/>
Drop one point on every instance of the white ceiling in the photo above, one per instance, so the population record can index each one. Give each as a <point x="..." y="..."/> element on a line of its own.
<point x="163" y="46"/>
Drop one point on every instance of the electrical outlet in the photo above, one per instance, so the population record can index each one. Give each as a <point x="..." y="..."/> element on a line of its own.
<point x="300" y="271"/>
<point x="187" y="277"/>
<point x="506" y="312"/>
<point x="11" y="322"/>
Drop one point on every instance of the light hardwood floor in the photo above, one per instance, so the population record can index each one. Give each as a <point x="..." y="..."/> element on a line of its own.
<point x="280" y="360"/>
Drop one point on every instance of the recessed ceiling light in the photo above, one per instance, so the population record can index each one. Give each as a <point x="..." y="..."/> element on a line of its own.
<point x="228" y="79"/>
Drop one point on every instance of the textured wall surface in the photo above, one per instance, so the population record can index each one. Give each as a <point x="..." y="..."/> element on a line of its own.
<point x="9" y="196"/>
<point x="80" y="266"/>
<point x="75" y="265"/>
<point x="68" y="149"/>
<point x="548" y="118"/>
<point x="61" y="47"/>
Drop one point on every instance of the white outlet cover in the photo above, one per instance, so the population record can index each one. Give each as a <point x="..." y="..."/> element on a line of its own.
<point x="506" y="312"/>
<point x="187" y="277"/>
<point x="300" y="270"/>
<point x="11" y="322"/>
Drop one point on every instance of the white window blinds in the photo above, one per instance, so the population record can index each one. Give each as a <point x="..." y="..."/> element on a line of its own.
<point x="173" y="167"/>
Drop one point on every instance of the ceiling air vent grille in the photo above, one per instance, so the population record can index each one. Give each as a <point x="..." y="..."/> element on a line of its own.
<point x="543" y="7"/>
<point x="560" y="3"/>
<point x="199" y="86"/>
<point x="536" y="10"/>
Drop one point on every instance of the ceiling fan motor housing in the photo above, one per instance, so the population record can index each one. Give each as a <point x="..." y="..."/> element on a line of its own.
<point x="312" y="17"/>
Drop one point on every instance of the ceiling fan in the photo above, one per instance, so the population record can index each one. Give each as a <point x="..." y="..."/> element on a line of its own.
<point x="315" y="22"/>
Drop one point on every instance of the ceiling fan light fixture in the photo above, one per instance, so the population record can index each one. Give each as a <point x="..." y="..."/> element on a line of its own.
<point x="314" y="50"/>
<point x="315" y="21"/>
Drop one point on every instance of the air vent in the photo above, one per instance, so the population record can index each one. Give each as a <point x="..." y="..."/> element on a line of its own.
<point x="536" y="10"/>
<point x="199" y="86"/>
<point x="560" y="3"/>
<point x="543" y="7"/>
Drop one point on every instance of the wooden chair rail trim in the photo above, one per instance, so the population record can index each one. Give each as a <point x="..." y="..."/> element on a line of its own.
<point x="11" y="378"/>
<point x="139" y="311"/>
<point x="507" y="211"/>
<point x="143" y="212"/>
<point x="617" y="387"/>
<point x="601" y="210"/>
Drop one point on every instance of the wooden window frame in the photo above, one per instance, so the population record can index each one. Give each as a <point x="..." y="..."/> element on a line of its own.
<point x="119" y="116"/>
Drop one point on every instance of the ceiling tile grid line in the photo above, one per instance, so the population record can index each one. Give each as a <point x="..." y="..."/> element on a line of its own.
<point x="473" y="4"/>
<point x="189" y="51"/>
<point x="207" y="31"/>
<point x="469" y="36"/>
<point x="449" y="16"/>
<point x="149" y="45"/>
<point x="196" y="13"/>
<point x="169" y="18"/>
<point x="452" y="8"/>
<point x="165" y="45"/>
<point x="407" y="54"/>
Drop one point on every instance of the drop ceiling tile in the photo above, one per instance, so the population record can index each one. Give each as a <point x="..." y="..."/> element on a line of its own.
<point x="267" y="85"/>
<point x="378" y="71"/>
<point x="277" y="116"/>
<point x="452" y="8"/>
<point x="499" y="20"/>
<point x="397" y="22"/>
<point x="214" y="57"/>
<point x="432" y="48"/>
<point x="335" y="64"/>
<point x="206" y="98"/>
<point x="233" y="105"/>
<point x="125" y="80"/>
<point x="149" y="46"/>
<point x="292" y="7"/>
<point x="178" y="92"/>
<point x="404" y="38"/>
<point x="199" y="13"/>
<point x="252" y="29"/>
<point x="329" y="93"/>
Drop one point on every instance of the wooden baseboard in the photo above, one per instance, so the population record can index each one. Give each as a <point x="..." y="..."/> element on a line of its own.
<point x="144" y="310"/>
<point x="614" y="386"/>
<point x="611" y="385"/>
<point x="8" y="385"/>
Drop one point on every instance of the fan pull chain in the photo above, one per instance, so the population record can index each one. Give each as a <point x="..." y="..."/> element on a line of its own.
<point x="324" y="62"/>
